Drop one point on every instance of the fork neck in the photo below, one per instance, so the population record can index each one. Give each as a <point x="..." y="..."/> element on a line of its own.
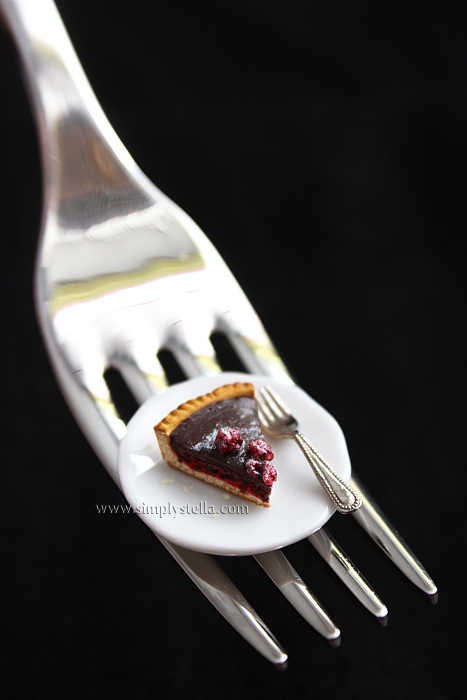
<point x="74" y="134"/>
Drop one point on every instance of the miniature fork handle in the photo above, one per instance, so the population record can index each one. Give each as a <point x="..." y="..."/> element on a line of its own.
<point x="341" y="494"/>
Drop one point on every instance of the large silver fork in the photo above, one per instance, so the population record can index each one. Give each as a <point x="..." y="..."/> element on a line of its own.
<point x="123" y="272"/>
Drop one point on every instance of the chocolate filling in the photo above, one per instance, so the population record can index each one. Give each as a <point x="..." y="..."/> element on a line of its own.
<point x="194" y="442"/>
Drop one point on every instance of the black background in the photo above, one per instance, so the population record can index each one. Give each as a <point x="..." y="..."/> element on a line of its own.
<point x="322" y="147"/>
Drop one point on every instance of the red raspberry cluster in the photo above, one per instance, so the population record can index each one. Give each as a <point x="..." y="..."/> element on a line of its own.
<point x="229" y="441"/>
<point x="259" y="449"/>
<point x="260" y="462"/>
<point x="264" y="469"/>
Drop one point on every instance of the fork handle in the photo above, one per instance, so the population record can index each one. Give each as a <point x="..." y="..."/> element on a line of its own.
<point x="345" y="499"/>
<point x="75" y="135"/>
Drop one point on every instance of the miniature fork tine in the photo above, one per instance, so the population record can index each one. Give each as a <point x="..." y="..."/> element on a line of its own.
<point x="279" y="422"/>
<point x="122" y="273"/>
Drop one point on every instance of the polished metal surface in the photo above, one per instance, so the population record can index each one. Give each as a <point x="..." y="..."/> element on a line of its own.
<point x="280" y="423"/>
<point x="288" y="581"/>
<point x="122" y="272"/>
<point x="377" y="525"/>
<point x="348" y="573"/>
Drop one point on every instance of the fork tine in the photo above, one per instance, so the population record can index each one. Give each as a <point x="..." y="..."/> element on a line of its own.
<point x="275" y="403"/>
<point x="142" y="371"/>
<point x="281" y="572"/>
<point x="265" y="415"/>
<point x="249" y="339"/>
<point x="192" y="348"/>
<point x="377" y="526"/>
<point x="205" y="572"/>
<point x="100" y="395"/>
<point x="88" y="395"/>
<point x="348" y="573"/>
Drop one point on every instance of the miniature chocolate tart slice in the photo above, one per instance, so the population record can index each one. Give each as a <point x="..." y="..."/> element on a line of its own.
<point x="217" y="438"/>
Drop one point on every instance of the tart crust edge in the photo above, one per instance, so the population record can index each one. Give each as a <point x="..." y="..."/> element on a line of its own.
<point x="179" y="414"/>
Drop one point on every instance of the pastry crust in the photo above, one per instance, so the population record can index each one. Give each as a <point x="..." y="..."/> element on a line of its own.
<point x="165" y="427"/>
<point x="179" y="414"/>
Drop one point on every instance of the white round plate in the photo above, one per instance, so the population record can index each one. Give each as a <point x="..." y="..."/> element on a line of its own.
<point x="204" y="518"/>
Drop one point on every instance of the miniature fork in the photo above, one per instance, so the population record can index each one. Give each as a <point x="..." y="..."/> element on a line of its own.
<point x="123" y="273"/>
<point x="279" y="422"/>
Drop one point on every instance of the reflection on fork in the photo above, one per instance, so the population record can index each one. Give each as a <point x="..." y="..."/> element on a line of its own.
<point x="122" y="274"/>
<point x="279" y="422"/>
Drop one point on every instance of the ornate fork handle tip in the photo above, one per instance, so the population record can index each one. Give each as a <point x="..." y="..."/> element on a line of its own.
<point x="341" y="494"/>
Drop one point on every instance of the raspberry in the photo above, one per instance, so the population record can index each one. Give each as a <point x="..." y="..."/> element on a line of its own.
<point x="259" y="449"/>
<point x="269" y="473"/>
<point x="228" y="440"/>
<point x="254" y="467"/>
